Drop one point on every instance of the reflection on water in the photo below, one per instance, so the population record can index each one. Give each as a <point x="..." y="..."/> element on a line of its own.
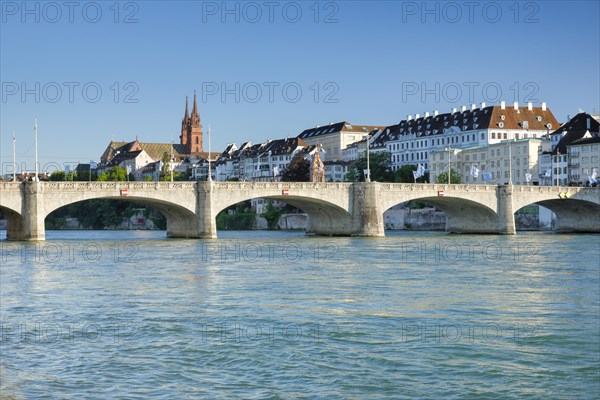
<point x="278" y="315"/>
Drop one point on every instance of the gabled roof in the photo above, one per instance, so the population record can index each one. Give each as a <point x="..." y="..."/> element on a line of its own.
<point x="154" y="150"/>
<point x="492" y="117"/>
<point x="343" y="126"/>
<point x="119" y="158"/>
<point x="575" y="129"/>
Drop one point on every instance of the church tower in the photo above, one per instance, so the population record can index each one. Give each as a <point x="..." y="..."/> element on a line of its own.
<point x="191" y="129"/>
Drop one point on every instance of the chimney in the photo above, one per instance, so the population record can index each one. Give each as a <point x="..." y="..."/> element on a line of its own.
<point x="417" y="116"/>
<point x="482" y="105"/>
<point x="454" y="110"/>
<point x="426" y="114"/>
<point x="464" y="108"/>
<point x="435" y="113"/>
<point x="543" y="106"/>
<point x="473" y="107"/>
<point x="516" y="105"/>
<point x="409" y="118"/>
<point x="530" y="106"/>
<point x="502" y="105"/>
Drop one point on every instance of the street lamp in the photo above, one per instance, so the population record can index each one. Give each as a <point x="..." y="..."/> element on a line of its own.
<point x="35" y="130"/>
<point x="368" y="177"/>
<point x="14" y="157"/>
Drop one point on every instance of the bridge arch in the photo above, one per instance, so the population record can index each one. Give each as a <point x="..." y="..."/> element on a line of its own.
<point x="11" y="205"/>
<point x="328" y="211"/>
<point x="180" y="221"/>
<point x="179" y="209"/>
<point x="468" y="208"/>
<point x="576" y="209"/>
<point x="14" y="223"/>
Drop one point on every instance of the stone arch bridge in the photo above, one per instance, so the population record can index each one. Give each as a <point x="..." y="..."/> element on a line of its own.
<point x="347" y="209"/>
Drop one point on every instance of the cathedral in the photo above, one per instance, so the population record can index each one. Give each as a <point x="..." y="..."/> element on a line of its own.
<point x="189" y="146"/>
<point x="191" y="130"/>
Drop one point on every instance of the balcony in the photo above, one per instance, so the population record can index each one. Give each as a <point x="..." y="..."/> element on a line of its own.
<point x="573" y="163"/>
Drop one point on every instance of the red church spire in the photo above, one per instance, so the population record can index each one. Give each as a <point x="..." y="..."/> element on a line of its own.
<point x="195" y="108"/>
<point x="187" y="114"/>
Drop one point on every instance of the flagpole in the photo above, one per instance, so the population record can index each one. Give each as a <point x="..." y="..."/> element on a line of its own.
<point x="209" y="166"/>
<point x="448" y="165"/>
<point x="510" y="162"/>
<point x="14" y="157"/>
<point x="171" y="161"/>
<point x="35" y="129"/>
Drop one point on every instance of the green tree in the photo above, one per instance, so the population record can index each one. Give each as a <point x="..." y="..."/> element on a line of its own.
<point x="114" y="174"/>
<point x="297" y="171"/>
<point x="165" y="171"/>
<point x="271" y="215"/>
<point x="404" y="174"/>
<point x="381" y="168"/>
<point x="454" y="177"/>
<point x="57" y="176"/>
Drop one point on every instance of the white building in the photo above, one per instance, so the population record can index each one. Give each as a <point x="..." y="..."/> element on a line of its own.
<point x="334" y="138"/>
<point x="498" y="163"/>
<point x="259" y="162"/>
<point x="412" y="140"/>
<point x="574" y="153"/>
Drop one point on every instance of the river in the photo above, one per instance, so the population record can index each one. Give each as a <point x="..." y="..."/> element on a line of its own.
<point x="275" y="315"/>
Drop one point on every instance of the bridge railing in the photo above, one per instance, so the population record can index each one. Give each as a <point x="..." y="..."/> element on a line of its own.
<point x="10" y="186"/>
<point x="281" y="185"/>
<point x="96" y="185"/>
<point x="438" y="186"/>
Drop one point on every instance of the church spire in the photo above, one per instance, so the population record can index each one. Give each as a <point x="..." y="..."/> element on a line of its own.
<point x="187" y="114"/>
<point x="195" y="108"/>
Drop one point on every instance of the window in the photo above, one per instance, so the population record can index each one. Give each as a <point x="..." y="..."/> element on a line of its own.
<point x="516" y="136"/>
<point x="493" y="135"/>
<point x="482" y="136"/>
<point x="505" y="135"/>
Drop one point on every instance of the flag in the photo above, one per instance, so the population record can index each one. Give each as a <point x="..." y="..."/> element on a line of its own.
<point x="548" y="173"/>
<point x="527" y="177"/>
<point x="474" y="171"/>
<point x="487" y="176"/>
<point x="275" y="170"/>
<point x="128" y="169"/>
<point x="93" y="165"/>
<point x="366" y="172"/>
<point x="419" y="172"/>
<point x="593" y="177"/>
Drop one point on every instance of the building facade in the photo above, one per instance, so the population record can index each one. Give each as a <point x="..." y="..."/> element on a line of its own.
<point x="334" y="138"/>
<point x="513" y="161"/>
<point x="413" y="140"/>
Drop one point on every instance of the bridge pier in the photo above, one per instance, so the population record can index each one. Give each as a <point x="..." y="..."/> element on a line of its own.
<point x="367" y="215"/>
<point x="33" y="215"/>
<point x="205" y="211"/>
<point x="506" y="213"/>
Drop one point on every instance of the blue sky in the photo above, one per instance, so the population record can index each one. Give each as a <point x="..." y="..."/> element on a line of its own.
<point x="364" y="62"/>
